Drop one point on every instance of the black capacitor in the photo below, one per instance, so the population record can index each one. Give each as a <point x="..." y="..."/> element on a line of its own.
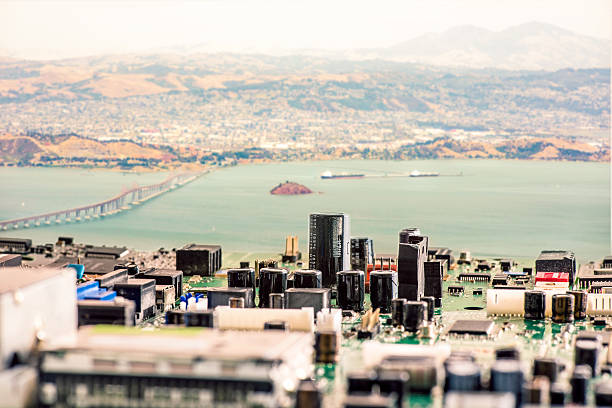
<point x="548" y="367"/>
<point x="535" y="305"/>
<point x="580" y="384"/>
<point x="307" y="278"/>
<point x="397" y="311"/>
<point x="383" y="288"/>
<point x="507" y="353"/>
<point x="580" y="303"/>
<point x="351" y="290"/>
<point x="536" y="391"/>
<point x="277" y="300"/>
<point x="271" y="281"/>
<point x="308" y="395"/>
<point x="558" y="392"/>
<point x="462" y="376"/>
<point x="414" y="314"/>
<point x="360" y="382"/>
<point x="406" y="233"/>
<point x="242" y="278"/>
<point x="507" y="376"/>
<point x="459" y="356"/>
<point x="562" y="308"/>
<point x="603" y="394"/>
<point x="393" y="382"/>
<point x="431" y="306"/>
<point x="586" y="352"/>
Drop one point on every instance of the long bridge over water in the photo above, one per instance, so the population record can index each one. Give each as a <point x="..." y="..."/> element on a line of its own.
<point x="118" y="203"/>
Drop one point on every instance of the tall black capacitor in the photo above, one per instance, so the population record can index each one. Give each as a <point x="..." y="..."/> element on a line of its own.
<point x="242" y="278"/>
<point x="535" y="305"/>
<point x="562" y="308"/>
<point x="271" y="281"/>
<point x="462" y="376"/>
<point x="580" y="303"/>
<point x="586" y="352"/>
<point x="580" y="384"/>
<point x="383" y="288"/>
<point x="397" y="311"/>
<point x="431" y="306"/>
<point x="507" y="376"/>
<point x="351" y="290"/>
<point x="307" y="278"/>
<point x="414" y="314"/>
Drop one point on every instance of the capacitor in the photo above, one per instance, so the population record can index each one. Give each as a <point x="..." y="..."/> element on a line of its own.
<point x="548" y="367"/>
<point x="391" y="382"/>
<point x="406" y="233"/>
<point x="580" y="384"/>
<point x="562" y="308"/>
<point x="397" y="311"/>
<point x="507" y="353"/>
<point x="459" y="356"/>
<point x="277" y="300"/>
<point x="308" y="395"/>
<point x="535" y="305"/>
<point x="462" y="375"/>
<point x="326" y="346"/>
<point x="507" y="376"/>
<point x="586" y="352"/>
<point x="431" y="306"/>
<point x="603" y="393"/>
<point x="414" y="314"/>
<point x="383" y="288"/>
<point x="360" y="382"/>
<point x="242" y="278"/>
<point x="236" y="303"/>
<point x="351" y="290"/>
<point x="536" y="392"/>
<point x="558" y="392"/>
<point x="307" y="278"/>
<point x="271" y="281"/>
<point x="580" y="303"/>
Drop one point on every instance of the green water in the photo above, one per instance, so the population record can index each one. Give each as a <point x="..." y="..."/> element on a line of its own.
<point x="511" y="208"/>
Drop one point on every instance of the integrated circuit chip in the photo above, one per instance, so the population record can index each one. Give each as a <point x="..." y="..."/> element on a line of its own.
<point x="472" y="327"/>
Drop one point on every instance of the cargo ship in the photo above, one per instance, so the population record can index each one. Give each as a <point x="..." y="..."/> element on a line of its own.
<point x="330" y="175"/>
<point x="417" y="173"/>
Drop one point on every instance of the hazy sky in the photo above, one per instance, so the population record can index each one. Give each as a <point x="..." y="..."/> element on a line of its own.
<point x="76" y="28"/>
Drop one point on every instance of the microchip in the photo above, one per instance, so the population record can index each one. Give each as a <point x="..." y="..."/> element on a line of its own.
<point x="455" y="290"/>
<point x="472" y="327"/>
<point x="500" y="279"/>
<point x="474" y="277"/>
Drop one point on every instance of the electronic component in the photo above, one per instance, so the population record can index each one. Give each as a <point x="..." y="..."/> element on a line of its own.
<point x="362" y="253"/>
<point x="557" y="261"/>
<point x="242" y="278"/>
<point x="351" y="290"/>
<point x="477" y="292"/>
<point x="227" y="318"/>
<point x="474" y="277"/>
<point x="175" y="317"/>
<point x="397" y="311"/>
<point x="308" y="395"/>
<point x="483" y="266"/>
<point x="430" y="307"/>
<point x="195" y="259"/>
<point x="602" y="336"/>
<point x="535" y="305"/>
<point x="422" y="371"/>
<point x="579" y="382"/>
<point x="10" y="260"/>
<point x="317" y="298"/>
<point x="166" y="277"/>
<point x="370" y="324"/>
<point x="164" y="297"/>
<point x="536" y="391"/>
<point x="434" y="274"/>
<point x="142" y="292"/>
<point x="558" y="393"/>
<point x="221" y="296"/>
<point x="500" y="279"/>
<point x="327" y="344"/>
<point x="580" y="303"/>
<point x="383" y="288"/>
<point x="199" y="318"/>
<point x="455" y="290"/>
<point x="277" y="300"/>
<point x="586" y="352"/>
<point x="271" y="280"/>
<point x="414" y="315"/>
<point x="603" y="393"/>
<point x="119" y="311"/>
<point x="479" y="400"/>
<point x="108" y="280"/>
<point x="307" y="278"/>
<point x="131" y="267"/>
<point x="507" y="376"/>
<point x="329" y="245"/>
<point x="472" y="327"/>
<point x="505" y="265"/>
<point x="505" y="302"/>
<point x="599" y="304"/>
<point x="411" y="258"/>
<point x="548" y="367"/>
<point x="562" y="308"/>
<point x="507" y="353"/>
<point x="462" y="375"/>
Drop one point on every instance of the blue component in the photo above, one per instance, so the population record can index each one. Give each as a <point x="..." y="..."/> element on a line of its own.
<point x="199" y="296"/>
<point x="80" y="269"/>
<point x="85" y="287"/>
<point x="188" y="295"/>
<point x="101" y="295"/>
<point x="183" y="298"/>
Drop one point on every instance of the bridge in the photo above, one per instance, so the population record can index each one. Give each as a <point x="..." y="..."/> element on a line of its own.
<point x="124" y="201"/>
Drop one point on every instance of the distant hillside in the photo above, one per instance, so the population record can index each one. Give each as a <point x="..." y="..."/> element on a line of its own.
<point x="532" y="46"/>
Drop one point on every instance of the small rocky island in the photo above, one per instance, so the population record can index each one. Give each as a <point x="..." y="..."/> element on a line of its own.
<point x="290" y="188"/>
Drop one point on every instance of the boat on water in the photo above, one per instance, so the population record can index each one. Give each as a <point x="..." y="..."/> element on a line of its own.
<point x="330" y="175"/>
<point x="416" y="173"/>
